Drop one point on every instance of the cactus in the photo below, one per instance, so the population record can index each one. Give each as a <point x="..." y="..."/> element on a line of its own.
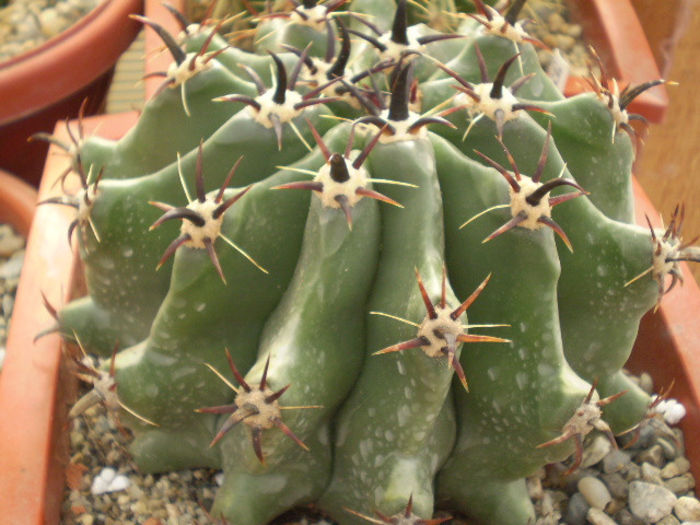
<point x="379" y="319"/>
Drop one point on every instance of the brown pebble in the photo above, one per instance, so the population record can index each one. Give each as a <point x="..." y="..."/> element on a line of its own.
<point x="653" y="455"/>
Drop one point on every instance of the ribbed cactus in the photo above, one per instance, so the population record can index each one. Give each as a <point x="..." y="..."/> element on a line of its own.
<point x="379" y="318"/>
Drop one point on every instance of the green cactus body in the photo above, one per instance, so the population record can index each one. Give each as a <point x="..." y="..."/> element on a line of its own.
<point x="599" y="315"/>
<point x="383" y="453"/>
<point x="194" y="323"/>
<point x="521" y="393"/>
<point x="127" y="295"/>
<point x="232" y="58"/>
<point x="274" y="33"/>
<point x="164" y="120"/>
<point x="496" y="51"/>
<point x="582" y="129"/>
<point x="392" y="434"/>
<point x="315" y="342"/>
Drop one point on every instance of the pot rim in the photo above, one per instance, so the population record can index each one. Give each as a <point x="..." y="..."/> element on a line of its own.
<point x="17" y="202"/>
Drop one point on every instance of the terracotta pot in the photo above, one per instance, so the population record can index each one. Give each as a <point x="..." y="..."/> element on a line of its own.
<point x="49" y="83"/>
<point x="17" y="202"/>
<point x="614" y="30"/>
<point x="35" y="389"/>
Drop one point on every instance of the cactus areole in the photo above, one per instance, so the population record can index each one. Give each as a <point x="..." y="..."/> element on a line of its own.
<point x="382" y="289"/>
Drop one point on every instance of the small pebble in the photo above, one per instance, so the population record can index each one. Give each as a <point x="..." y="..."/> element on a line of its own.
<point x="10" y="242"/>
<point x="577" y="510"/>
<point x="598" y="517"/>
<point x="595" y="492"/>
<point x="680" y="484"/>
<point x="616" y="461"/>
<point x="108" y="481"/>
<point x="617" y="485"/>
<point x="651" y="473"/>
<point x="646" y="383"/>
<point x="671" y="451"/>
<point x="13" y="266"/>
<point x="672" y="410"/>
<point x="596" y="451"/>
<point x="534" y="488"/>
<point x="687" y="509"/>
<point x="650" y="502"/>
<point x="653" y="455"/>
<point x="625" y="517"/>
<point x="633" y="472"/>
<point x="675" y="468"/>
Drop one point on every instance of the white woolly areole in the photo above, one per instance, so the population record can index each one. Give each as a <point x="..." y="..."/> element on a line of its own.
<point x="619" y="115"/>
<point x="586" y="418"/>
<point x="86" y="199"/>
<point x="315" y="17"/>
<point x="488" y="105"/>
<point x="519" y="204"/>
<point x="401" y="128"/>
<point x="211" y="228"/>
<point x="178" y="74"/>
<point x="499" y="26"/>
<point x="331" y="188"/>
<point x="434" y="330"/>
<point x="103" y="390"/>
<point x="668" y="249"/>
<point x="262" y="413"/>
<point x="320" y="77"/>
<point x="395" y="51"/>
<point x="671" y="410"/>
<point x="285" y="112"/>
<point x="192" y="29"/>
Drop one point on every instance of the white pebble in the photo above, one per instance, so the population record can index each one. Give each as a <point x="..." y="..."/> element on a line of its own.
<point x="594" y="491"/>
<point x="650" y="502"/>
<point x="672" y="410"/>
<point x="687" y="509"/>
<point x="109" y="481"/>
<point x="596" y="451"/>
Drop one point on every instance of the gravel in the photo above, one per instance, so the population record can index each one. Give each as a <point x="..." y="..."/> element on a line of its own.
<point x="11" y="259"/>
<point x="556" y="29"/>
<point x="26" y="24"/>
<point x="645" y="483"/>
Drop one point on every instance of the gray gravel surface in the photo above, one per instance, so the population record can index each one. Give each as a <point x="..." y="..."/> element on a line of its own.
<point x="26" y="24"/>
